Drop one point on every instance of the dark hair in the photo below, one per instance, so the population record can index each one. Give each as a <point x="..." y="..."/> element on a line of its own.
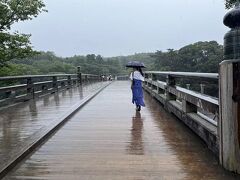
<point x="140" y="70"/>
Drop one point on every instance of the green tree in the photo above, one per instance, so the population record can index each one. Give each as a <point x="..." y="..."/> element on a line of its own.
<point x="166" y="61"/>
<point x="99" y="59"/>
<point x="230" y="3"/>
<point x="197" y="57"/>
<point x="91" y="58"/>
<point x="16" y="45"/>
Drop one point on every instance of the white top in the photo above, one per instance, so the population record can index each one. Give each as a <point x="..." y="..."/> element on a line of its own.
<point x="136" y="75"/>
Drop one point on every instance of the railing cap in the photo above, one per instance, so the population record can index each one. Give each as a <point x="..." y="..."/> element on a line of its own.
<point x="34" y="76"/>
<point x="91" y="75"/>
<point x="185" y="74"/>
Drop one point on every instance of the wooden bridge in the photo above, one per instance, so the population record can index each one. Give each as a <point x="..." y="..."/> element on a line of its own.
<point x="80" y="126"/>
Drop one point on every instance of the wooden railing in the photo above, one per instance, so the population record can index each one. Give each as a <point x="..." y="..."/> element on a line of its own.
<point x="22" y="88"/>
<point x="122" y="77"/>
<point x="197" y="109"/>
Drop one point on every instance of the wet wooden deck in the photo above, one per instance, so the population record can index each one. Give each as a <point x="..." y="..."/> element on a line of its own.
<point x="107" y="139"/>
<point x="20" y="125"/>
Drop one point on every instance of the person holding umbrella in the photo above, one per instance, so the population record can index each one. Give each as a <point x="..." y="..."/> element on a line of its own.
<point x="137" y="78"/>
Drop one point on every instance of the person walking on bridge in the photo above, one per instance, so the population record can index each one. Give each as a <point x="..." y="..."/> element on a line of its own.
<point x="137" y="92"/>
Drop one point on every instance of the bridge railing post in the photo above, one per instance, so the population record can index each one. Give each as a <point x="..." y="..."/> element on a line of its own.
<point x="146" y="77"/>
<point x="44" y="88"/>
<point x="229" y="87"/>
<point x="86" y="79"/>
<point x="154" y="78"/>
<point x="170" y="82"/>
<point x="69" y="81"/>
<point x="54" y="83"/>
<point x="79" y="75"/>
<point x="202" y="86"/>
<point x="229" y="123"/>
<point x="30" y="88"/>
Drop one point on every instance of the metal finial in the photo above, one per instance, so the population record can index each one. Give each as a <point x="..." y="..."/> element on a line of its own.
<point x="232" y="18"/>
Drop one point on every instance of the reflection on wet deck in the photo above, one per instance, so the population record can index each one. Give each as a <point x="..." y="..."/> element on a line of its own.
<point x="136" y="146"/>
<point x="107" y="139"/>
<point x="19" y="123"/>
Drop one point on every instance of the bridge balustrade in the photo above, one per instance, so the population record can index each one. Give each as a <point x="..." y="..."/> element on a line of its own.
<point x="15" y="89"/>
<point x="198" y="110"/>
<point x="86" y="78"/>
<point x="122" y="77"/>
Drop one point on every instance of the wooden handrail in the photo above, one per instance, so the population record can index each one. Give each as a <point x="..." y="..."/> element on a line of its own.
<point x="214" y="76"/>
<point x="42" y="76"/>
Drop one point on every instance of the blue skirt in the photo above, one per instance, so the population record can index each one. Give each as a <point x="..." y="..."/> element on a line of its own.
<point x="137" y="93"/>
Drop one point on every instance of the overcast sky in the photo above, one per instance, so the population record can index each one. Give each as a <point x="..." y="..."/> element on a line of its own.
<point x="122" y="27"/>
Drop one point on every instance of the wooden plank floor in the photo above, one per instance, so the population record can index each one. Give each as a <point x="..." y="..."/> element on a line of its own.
<point x="19" y="123"/>
<point x="107" y="139"/>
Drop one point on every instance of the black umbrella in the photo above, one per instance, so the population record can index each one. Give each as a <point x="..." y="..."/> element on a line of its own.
<point x="135" y="64"/>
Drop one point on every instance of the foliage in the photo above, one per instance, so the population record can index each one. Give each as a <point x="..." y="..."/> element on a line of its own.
<point x="48" y="62"/>
<point x="18" y="69"/>
<point x="230" y="3"/>
<point x="198" y="57"/>
<point x="146" y="58"/>
<point x="16" y="45"/>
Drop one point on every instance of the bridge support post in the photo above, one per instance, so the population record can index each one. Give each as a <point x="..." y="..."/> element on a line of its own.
<point x="170" y="82"/>
<point x="146" y="77"/>
<point x="154" y="78"/>
<point x="79" y="75"/>
<point x="86" y="79"/>
<point x="30" y="89"/>
<point x="202" y="86"/>
<point x="69" y="81"/>
<point x="229" y="123"/>
<point x="229" y="87"/>
<point x="55" y="84"/>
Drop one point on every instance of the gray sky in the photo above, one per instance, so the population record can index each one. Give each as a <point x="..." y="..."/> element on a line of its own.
<point x="122" y="27"/>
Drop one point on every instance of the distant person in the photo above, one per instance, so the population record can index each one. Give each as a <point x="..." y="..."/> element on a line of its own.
<point x="137" y="92"/>
<point x="110" y="77"/>
<point x="103" y="77"/>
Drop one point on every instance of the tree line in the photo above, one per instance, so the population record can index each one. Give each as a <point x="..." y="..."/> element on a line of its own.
<point x="197" y="57"/>
<point x="48" y="63"/>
